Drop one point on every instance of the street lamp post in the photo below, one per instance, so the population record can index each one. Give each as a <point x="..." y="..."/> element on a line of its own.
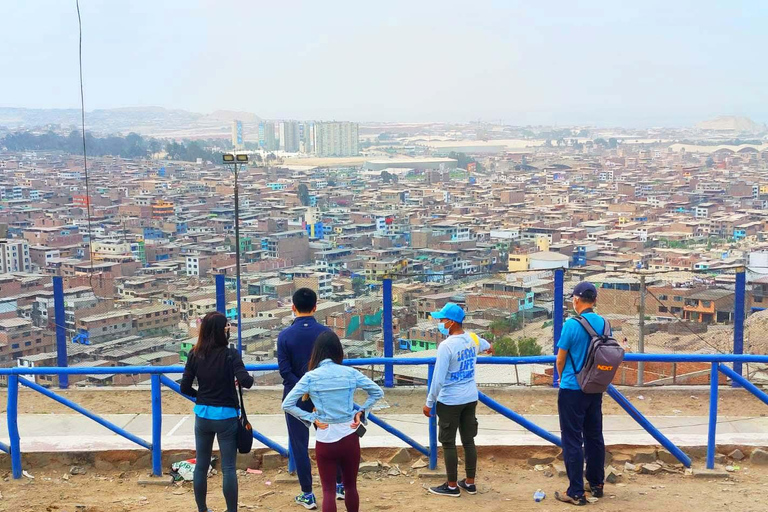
<point x="233" y="160"/>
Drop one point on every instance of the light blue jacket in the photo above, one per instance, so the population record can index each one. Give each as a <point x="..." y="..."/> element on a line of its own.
<point x="454" y="377"/>
<point x="332" y="388"/>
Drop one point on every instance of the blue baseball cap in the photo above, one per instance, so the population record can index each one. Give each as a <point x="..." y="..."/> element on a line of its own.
<point x="450" y="311"/>
<point x="585" y="290"/>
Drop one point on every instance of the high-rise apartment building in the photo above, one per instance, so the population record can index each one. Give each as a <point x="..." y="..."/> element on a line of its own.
<point x="307" y="136"/>
<point x="336" y="139"/>
<point x="289" y="136"/>
<point x="270" y="141"/>
<point x="237" y="134"/>
<point x="14" y="256"/>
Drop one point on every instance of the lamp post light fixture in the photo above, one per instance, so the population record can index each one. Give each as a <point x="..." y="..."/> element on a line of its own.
<point x="234" y="160"/>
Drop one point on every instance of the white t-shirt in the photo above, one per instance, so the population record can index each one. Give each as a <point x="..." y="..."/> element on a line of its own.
<point x="334" y="433"/>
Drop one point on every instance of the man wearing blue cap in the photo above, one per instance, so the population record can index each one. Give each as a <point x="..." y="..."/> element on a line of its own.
<point x="581" y="414"/>
<point x="454" y="392"/>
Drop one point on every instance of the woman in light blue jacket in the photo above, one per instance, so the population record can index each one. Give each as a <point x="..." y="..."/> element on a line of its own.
<point x="331" y="386"/>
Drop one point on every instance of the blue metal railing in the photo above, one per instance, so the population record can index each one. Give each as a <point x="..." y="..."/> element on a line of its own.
<point x="158" y="379"/>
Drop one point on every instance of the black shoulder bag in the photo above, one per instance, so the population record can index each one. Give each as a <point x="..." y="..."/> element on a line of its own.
<point x="244" y="429"/>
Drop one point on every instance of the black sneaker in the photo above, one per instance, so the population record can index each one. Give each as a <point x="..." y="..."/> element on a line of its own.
<point x="470" y="488"/>
<point x="444" y="490"/>
<point x="595" y="490"/>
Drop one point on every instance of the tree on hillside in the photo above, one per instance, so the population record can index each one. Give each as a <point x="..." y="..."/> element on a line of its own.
<point x="358" y="285"/>
<point x="520" y="347"/>
<point x="303" y="193"/>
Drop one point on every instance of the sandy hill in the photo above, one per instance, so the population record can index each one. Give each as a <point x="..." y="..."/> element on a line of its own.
<point x="731" y="124"/>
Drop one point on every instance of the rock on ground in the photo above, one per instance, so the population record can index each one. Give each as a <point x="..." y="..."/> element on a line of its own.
<point x="401" y="457"/>
<point x="540" y="459"/>
<point x="645" y="455"/>
<point x="369" y="467"/>
<point x="759" y="457"/>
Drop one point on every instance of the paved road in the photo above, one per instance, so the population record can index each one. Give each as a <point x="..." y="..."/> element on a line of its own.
<point x="73" y="432"/>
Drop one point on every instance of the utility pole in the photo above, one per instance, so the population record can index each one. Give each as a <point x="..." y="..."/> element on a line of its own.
<point x="230" y="159"/>
<point x="641" y="336"/>
<point x="237" y="266"/>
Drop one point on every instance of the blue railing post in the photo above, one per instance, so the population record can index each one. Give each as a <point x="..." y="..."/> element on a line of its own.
<point x="432" y="423"/>
<point x="291" y="460"/>
<point x="389" y="372"/>
<point x="557" y="318"/>
<point x="82" y="410"/>
<point x="61" y="333"/>
<point x="157" y="426"/>
<point x="520" y="420"/>
<point x="648" y="426"/>
<point x="12" y="412"/>
<point x="738" y="319"/>
<point x="761" y="395"/>
<point x="711" y="446"/>
<point x="221" y="295"/>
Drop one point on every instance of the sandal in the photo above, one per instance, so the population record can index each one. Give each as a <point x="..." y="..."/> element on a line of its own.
<point x="580" y="501"/>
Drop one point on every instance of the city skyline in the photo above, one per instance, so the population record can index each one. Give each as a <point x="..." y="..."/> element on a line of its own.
<point x="600" y="65"/>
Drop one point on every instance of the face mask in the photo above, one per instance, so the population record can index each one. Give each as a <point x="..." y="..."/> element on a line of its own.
<point x="443" y="329"/>
<point x="227" y="335"/>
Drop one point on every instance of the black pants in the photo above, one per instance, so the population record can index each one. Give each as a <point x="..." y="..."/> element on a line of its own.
<point x="226" y="433"/>
<point x="462" y="418"/>
<point x="581" y="430"/>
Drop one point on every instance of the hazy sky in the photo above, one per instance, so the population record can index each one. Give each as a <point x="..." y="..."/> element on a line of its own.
<point x="641" y="63"/>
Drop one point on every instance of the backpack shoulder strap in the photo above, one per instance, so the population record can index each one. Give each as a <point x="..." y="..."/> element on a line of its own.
<point x="587" y="326"/>
<point x="607" y="331"/>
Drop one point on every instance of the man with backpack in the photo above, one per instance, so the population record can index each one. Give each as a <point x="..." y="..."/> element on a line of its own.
<point x="587" y="360"/>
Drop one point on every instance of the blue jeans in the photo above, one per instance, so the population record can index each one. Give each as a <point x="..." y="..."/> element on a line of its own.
<point x="226" y="433"/>
<point x="581" y="430"/>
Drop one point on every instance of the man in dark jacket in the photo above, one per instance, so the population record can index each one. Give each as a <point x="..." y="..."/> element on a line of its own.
<point x="294" y="348"/>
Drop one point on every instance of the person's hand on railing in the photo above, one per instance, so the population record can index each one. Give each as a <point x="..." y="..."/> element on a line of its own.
<point x="491" y="351"/>
<point x="427" y="411"/>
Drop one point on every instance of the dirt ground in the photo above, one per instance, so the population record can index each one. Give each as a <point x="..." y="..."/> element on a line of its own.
<point x="655" y="402"/>
<point x="504" y="484"/>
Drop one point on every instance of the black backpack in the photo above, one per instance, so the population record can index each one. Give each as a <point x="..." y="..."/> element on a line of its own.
<point x="604" y="355"/>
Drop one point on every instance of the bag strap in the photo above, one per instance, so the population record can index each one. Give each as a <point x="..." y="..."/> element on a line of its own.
<point x="587" y="326"/>
<point x="239" y="387"/>
<point x="242" y="402"/>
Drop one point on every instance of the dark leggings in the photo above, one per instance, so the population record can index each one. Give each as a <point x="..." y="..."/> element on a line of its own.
<point x="226" y="432"/>
<point x="462" y="418"/>
<point x="344" y="454"/>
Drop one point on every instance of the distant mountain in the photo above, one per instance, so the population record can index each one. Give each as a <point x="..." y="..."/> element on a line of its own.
<point x="732" y="124"/>
<point x="144" y="120"/>
<point x="228" y="116"/>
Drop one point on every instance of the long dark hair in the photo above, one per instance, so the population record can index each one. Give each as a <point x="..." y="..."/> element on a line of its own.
<point x="212" y="334"/>
<point x="327" y="346"/>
